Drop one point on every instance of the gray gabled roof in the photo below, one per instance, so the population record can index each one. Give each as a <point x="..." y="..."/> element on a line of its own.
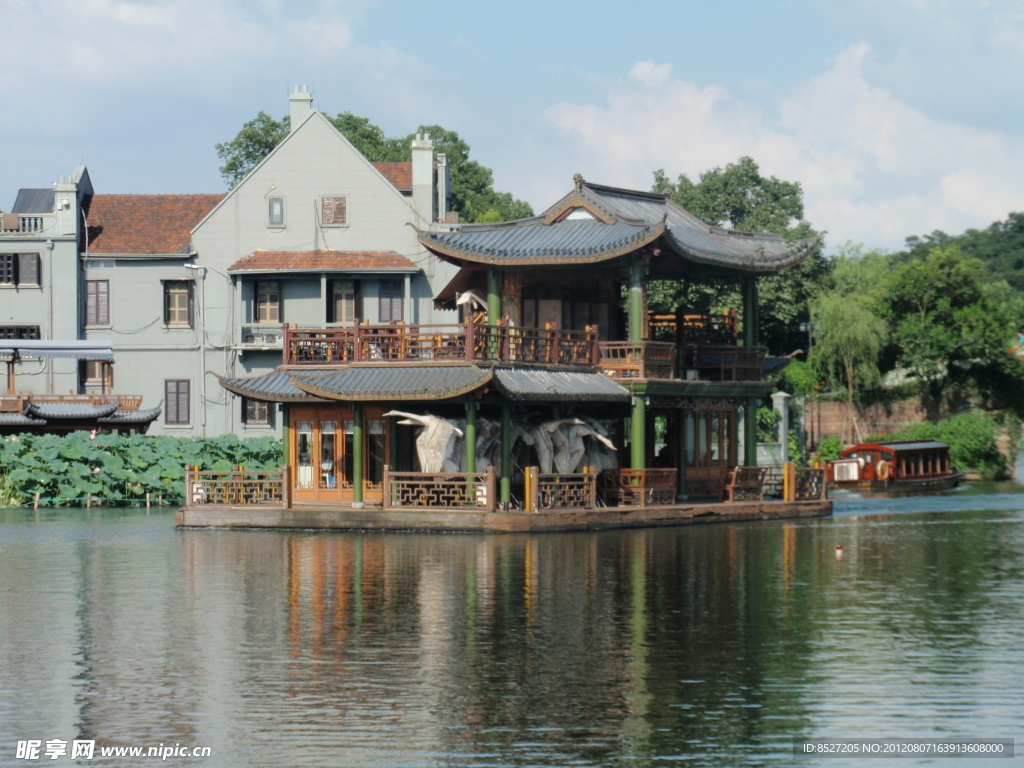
<point x="395" y="382"/>
<point x="539" y="385"/>
<point x="48" y="410"/>
<point x="623" y="221"/>
<point x="19" y="420"/>
<point x="273" y="387"/>
<point x="535" y="241"/>
<point x="34" y="201"/>
<point x="132" y="417"/>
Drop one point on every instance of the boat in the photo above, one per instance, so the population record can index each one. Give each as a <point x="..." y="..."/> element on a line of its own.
<point x="894" y="466"/>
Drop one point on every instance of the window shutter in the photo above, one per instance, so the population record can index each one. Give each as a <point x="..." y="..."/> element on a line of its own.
<point x="90" y="303"/>
<point x="103" y="302"/>
<point x="167" y="304"/>
<point x="183" y="404"/>
<point x="28" y="269"/>
<point x="171" y="402"/>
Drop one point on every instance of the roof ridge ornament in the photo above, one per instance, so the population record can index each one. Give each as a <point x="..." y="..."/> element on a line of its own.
<point x="577" y="179"/>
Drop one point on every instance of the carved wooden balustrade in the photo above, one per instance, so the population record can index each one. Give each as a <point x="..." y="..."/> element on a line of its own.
<point x="431" y="343"/>
<point x="637" y="487"/>
<point x="723" y="363"/>
<point x="560" y="491"/>
<point x="238" y="487"/>
<point x="638" y="359"/>
<point x="440" y="491"/>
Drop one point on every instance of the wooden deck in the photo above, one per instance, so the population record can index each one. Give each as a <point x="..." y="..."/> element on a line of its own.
<point x="345" y="518"/>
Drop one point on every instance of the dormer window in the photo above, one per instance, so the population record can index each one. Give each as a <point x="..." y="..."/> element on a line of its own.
<point x="276" y="214"/>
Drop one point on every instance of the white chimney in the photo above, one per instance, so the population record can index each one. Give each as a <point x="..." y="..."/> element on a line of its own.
<point x="423" y="176"/>
<point x="444" y="185"/>
<point x="300" y="105"/>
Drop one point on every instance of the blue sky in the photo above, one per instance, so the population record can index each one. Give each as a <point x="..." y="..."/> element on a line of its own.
<point x="898" y="117"/>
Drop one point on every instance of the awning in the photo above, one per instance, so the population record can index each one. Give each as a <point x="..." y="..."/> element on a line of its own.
<point x="538" y="385"/>
<point x="80" y="350"/>
<point x="395" y="382"/>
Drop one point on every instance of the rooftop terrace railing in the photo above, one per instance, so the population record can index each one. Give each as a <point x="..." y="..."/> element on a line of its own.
<point x="26" y="224"/>
<point x="466" y="342"/>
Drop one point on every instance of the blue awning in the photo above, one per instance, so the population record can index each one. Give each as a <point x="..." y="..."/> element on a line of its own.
<point x="79" y="350"/>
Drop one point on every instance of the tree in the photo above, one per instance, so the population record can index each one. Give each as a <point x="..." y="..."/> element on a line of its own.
<point x="473" y="194"/>
<point x="738" y="196"/>
<point x="950" y="335"/>
<point x="850" y="339"/>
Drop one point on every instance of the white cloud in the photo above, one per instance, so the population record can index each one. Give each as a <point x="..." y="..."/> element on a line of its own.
<point x="874" y="169"/>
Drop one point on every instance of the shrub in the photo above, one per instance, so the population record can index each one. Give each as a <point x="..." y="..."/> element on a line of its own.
<point x="971" y="438"/>
<point x="62" y="469"/>
<point x="829" y="448"/>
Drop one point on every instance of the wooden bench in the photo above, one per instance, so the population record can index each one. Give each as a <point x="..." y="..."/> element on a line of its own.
<point x="746" y="484"/>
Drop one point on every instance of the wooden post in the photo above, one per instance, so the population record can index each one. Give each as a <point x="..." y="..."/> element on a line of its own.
<point x="532" y="490"/>
<point x="286" y="485"/>
<point x="491" y="490"/>
<point x="147" y="499"/>
<point x="35" y="504"/>
<point x="595" y="351"/>
<point x="357" y="337"/>
<point x="88" y="501"/>
<point x="469" y="353"/>
<point x="357" y="453"/>
<point x="187" y="501"/>
<point x="386" y="486"/>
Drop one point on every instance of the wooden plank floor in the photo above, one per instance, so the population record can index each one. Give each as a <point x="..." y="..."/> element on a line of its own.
<point x="375" y="519"/>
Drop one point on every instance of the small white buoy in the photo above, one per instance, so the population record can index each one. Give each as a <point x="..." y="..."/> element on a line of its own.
<point x="839" y="551"/>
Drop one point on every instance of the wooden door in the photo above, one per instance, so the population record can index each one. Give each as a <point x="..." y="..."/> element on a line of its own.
<point x="322" y="452"/>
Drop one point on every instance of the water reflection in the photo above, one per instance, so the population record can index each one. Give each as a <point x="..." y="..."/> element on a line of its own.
<point x="715" y="645"/>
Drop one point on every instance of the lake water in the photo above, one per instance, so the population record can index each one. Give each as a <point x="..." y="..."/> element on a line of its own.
<point x="706" y="645"/>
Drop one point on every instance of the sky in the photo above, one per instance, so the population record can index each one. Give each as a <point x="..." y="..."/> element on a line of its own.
<point x="898" y="118"/>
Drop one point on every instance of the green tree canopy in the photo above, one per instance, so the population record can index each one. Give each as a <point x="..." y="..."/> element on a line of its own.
<point x="950" y="335"/>
<point x="473" y="193"/>
<point x="738" y="196"/>
<point x="850" y="339"/>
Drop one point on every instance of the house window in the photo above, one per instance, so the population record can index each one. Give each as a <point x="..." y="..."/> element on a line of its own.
<point x="276" y="212"/>
<point x="344" y="296"/>
<point x="268" y="302"/>
<point x="97" y="302"/>
<point x="178" y="302"/>
<point x="255" y="413"/>
<point x="177" y="399"/>
<point x="334" y="211"/>
<point x="28" y="332"/>
<point x="391" y="294"/>
<point x="19" y="269"/>
<point x="97" y="374"/>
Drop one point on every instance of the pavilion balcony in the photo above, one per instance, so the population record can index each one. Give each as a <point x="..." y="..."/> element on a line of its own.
<point x="465" y="342"/>
<point x="638" y="359"/>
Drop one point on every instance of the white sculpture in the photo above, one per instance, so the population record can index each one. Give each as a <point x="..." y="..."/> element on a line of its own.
<point x="436" y="445"/>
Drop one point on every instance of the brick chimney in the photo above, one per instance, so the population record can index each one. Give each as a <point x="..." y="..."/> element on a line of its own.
<point x="423" y="176"/>
<point x="300" y="105"/>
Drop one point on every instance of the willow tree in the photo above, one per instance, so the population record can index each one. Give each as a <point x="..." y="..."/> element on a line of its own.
<point x="849" y="339"/>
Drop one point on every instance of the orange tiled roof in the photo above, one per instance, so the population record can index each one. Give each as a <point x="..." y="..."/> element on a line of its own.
<point x="145" y="224"/>
<point x="399" y="174"/>
<point x="291" y="261"/>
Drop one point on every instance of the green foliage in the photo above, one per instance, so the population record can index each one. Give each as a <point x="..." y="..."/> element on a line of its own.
<point x="63" y="469"/>
<point x="948" y="333"/>
<point x="472" y="184"/>
<point x="767" y="425"/>
<point x="829" y="448"/>
<point x="798" y="378"/>
<point x="254" y="142"/>
<point x="971" y="438"/>
<point x="850" y="339"/>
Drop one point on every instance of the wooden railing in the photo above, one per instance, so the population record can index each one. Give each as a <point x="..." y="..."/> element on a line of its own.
<point x="725" y="363"/>
<point x="431" y="343"/>
<point x="638" y="359"/>
<point x="637" y="487"/>
<point x="238" y="488"/>
<point x="560" y="491"/>
<point x="683" y="328"/>
<point x="17" y="403"/>
<point x="440" y="491"/>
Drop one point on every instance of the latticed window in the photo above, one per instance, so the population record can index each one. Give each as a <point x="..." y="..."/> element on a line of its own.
<point x="178" y="302"/>
<point x="268" y="302"/>
<point x="391" y="293"/>
<point x="255" y="412"/>
<point x="19" y="269"/>
<point x="27" y="332"/>
<point x="177" y="401"/>
<point x="97" y="302"/>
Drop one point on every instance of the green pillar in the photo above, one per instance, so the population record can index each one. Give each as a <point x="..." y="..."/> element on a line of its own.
<point x="682" y="435"/>
<point x="506" y="453"/>
<point x="470" y="436"/>
<point x="493" y="296"/>
<point x="750" y="311"/>
<point x="638" y="434"/>
<point x="750" y="433"/>
<point x="636" y="301"/>
<point x="357" y="453"/>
